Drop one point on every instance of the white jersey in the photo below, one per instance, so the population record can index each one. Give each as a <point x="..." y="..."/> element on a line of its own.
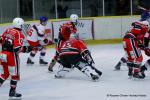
<point x="36" y="33"/>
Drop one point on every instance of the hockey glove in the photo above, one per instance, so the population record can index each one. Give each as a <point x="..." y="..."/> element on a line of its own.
<point x="55" y="40"/>
<point x="46" y="41"/>
<point x="17" y="49"/>
<point x="27" y="49"/>
<point x="147" y="51"/>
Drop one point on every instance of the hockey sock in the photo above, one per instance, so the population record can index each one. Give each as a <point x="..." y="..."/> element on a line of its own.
<point x="13" y="85"/>
<point x="32" y="54"/>
<point x="42" y="54"/>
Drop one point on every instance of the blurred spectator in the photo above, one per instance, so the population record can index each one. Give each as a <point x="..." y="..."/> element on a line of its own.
<point x="94" y="10"/>
<point x="62" y="11"/>
<point x="123" y="7"/>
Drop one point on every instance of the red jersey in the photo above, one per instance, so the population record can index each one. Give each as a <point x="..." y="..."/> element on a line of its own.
<point x="132" y="49"/>
<point x="14" y="36"/>
<point x="12" y="41"/>
<point x="59" y="46"/>
<point x="72" y="46"/>
<point x="140" y="31"/>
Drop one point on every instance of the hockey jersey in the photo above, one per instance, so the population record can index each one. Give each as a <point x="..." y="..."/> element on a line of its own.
<point x="12" y="38"/>
<point x="143" y="31"/>
<point x="73" y="46"/>
<point x="36" y="35"/>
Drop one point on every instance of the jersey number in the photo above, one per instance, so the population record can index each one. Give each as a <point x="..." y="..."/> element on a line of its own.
<point x="30" y="32"/>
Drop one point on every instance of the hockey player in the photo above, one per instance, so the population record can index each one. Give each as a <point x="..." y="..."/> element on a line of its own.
<point x="72" y="25"/>
<point x="145" y="16"/>
<point x="142" y="43"/>
<point x="38" y="40"/>
<point x="74" y="53"/>
<point x="131" y="42"/>
<point x="12" y="41"/>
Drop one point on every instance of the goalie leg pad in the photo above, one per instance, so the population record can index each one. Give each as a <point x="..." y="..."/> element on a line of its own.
<point x="62" y="71"/>
<point x="88" y="71"/>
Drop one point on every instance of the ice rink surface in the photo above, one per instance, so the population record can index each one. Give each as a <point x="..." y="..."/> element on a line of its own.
<point x="37" y="84"/>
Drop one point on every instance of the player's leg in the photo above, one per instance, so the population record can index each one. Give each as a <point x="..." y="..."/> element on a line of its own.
<point x="88" y="70"/>
<point x="42" y="55"/>
<point x="4" y="74"/>
<point x="66" y="64"/>
<point x="144" y="67"/>
<point x="52" y="64"/>
<point x="123" y="61"/>
<point x="134" y="70"/>
<point x="31" y="56"/>
<point x="14" y="70"/>
<point x="13" y="84"/>
<point x="134" y="57"/>
<point x="63" y="71"/>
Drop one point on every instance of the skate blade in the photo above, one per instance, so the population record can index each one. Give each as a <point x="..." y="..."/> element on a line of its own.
<point x="117" y="69"/>
<point x="130" y="77"/>
<point x="97" y="80"/>
<point x="43" y="64"/>
<point x="14" y="98"/>
<point x="30" y="64"/>
<point x="50" y="71"/>
<point x="58" y="77"/>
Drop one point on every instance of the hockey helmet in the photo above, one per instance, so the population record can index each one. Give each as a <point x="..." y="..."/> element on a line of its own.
<point x="18" y="23"/>
<point x="43" y="20"/>
<point x="145" y="23"/>
<point x="74" y="18"/>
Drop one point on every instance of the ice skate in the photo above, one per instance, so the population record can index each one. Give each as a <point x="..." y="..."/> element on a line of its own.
<point x="97" y="71"/>
<point x="142" y="71"/>
<point x="51" y="65"/>
<point x="130" y="72"/>
<point x="42" y="62"/>
<point x="14" y="96"/>
<point x="30" y="62"/>
<point x="50" y="69"/>
<point x="94" y="77"/>
<point x="138" y="75"/>
<point x="117" y="67"/>
<point x="58" y="76"/>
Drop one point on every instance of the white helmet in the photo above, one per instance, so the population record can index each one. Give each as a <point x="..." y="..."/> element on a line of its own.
<point x="74" y="17"/>
<point x="18" y="22"/>
<point x="146" y="23"/>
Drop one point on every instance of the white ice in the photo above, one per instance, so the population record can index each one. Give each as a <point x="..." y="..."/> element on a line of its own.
<point x="37" y="84"/>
